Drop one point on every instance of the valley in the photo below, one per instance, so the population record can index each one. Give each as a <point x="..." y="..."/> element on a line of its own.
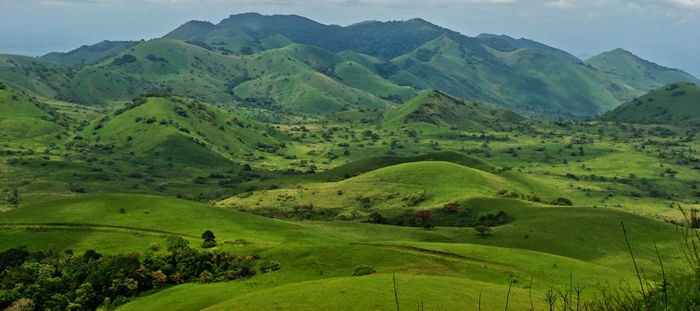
<point x="434" y="170"/>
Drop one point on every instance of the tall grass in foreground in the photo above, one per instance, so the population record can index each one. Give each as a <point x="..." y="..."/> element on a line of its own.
<point x="675" y="292"/>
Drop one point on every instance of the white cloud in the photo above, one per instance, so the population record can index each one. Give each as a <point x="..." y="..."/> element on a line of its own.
<point x="693" y="4"/>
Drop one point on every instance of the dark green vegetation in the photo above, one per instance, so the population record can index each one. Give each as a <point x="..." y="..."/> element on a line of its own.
<point x="58" y="281"/>
<point x="329" y="160"/>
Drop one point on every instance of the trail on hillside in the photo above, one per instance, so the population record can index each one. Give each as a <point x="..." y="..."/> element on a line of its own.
<point x="94" y="226"/>
<point x="451" y="256"/>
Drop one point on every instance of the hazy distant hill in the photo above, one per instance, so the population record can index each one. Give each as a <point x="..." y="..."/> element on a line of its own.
<point x="507" y="43"/>
<point x="287" y="62"/>
<point x="674" y="104"/>
<point x="642" y="75"/>
<point x="88" y="54"/>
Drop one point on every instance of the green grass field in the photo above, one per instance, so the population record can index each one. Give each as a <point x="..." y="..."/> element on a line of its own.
<point x="445" y="267"/>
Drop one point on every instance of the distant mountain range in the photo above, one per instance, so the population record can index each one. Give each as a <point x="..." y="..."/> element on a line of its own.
<point x="291" y="63"/>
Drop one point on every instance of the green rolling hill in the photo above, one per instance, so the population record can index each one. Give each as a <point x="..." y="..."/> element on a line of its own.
<point x="180" y="131"/>
<point x="441" y="110"/>
<point x="676" y="104"/>
<point x="26" y="122"/>
<point x="639" y="74"/>
<point x="540" y="250"/>
<point x="507" y="43"/>
<point x="89" y="54"/>
<point x="393" y="185"/>
<point x="40" y="77"/>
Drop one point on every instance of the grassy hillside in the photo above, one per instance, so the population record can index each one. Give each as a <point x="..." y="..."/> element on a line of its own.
<point x="41" y="77"/>
<point x="89" y="54"/>
<point x="640" y="74"/>
<point x="303" y="78"/>
<point x="539" y="251"/>
<point x="296" y="77"/>
<point x="519" y="80"/>
<point x="676" y="104"/>
<point x="392" y="189"/>
<point x="507" y="43"/>
<point x="441" y="110"/>
<point x="25" y="121"/>
<point x="292" y="63"/>
<point x="184" y="132"/>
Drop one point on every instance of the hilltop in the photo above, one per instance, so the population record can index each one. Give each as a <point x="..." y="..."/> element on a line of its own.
<point x="89" y="54"/>
<point x="639" y="74"/>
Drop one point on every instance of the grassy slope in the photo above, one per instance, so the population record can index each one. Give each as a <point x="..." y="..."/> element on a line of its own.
<point x="544" y="244"/>
<point x="214" y="134"/>
<point x="441" y="110"/>
<point x="639" y="74"/>
<point x="41" y="77"/>
<point x="390" y="189"/>
<point x="86" y="55"/>
<point x="518" y="80"/>
<point x="300" y="78"/>
<point x="294" y="77"/>
<point x="24" y="121"/>
<point x="567" y="87"/>
<point x="669" y="105"/>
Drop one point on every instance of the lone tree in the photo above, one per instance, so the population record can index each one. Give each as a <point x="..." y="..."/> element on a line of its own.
<point x="209" y="239"/>
<point x="483" y="230"/>
<point x="426" y="217"/>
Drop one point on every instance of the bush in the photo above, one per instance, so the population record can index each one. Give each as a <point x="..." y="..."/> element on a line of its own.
<point x="268" y="265"/>
<point x="362" y="270"/>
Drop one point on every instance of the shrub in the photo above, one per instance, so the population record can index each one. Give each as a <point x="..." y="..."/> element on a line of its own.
<point x="362" y="270"/>
<point x="451" y="207"/>
<point x="268" y="265"/>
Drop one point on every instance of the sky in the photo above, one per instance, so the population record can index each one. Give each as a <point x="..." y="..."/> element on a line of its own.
<point x="666" y="32"/>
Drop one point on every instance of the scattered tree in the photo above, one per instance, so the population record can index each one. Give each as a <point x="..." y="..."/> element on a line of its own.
<point x="483" y="230"/>
<point x="209" y="239"/>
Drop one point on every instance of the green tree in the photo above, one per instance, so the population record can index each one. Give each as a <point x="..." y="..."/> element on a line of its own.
<point x="209" y="239"/>
<point x="14" y="197"/>
<point x="483" y="230"/>
<point x="176" y="243"/>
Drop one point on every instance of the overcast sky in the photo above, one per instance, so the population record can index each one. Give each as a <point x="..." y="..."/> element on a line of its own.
<point x="663" y="31"/>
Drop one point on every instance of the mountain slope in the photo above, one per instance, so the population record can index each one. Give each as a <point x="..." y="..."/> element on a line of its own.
<point x="178" y="130"/>
<point x="638" y="73"/>
<point x="423" y="56"/>
<point x="440" y="109"/>
<point x="296" y="77"/>
<point x="288" y="62"/>
<point x="528" y="81"/>
<point x="41" y="77"/>
<point x="507" y="43"/>
<point x="674" y="104"/>
<point x="86" y="55"/>
<point x="24" y="121"/>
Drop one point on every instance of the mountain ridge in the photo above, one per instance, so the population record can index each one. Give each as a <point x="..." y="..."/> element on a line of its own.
<point x="244" y="61"/>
